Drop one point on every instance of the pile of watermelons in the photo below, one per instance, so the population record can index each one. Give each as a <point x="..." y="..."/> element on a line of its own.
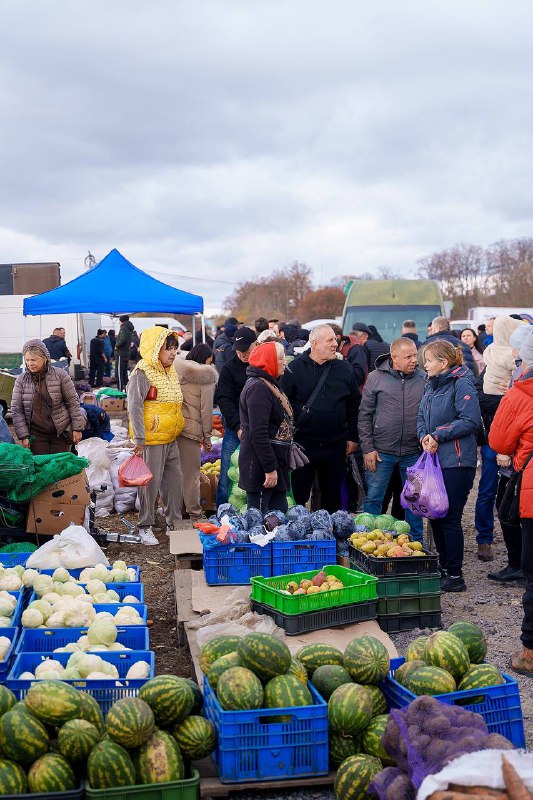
<point x="56" y="736"/>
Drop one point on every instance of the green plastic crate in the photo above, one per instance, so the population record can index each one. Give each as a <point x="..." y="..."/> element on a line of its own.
<point x="409" y="585"/>
<point x="419" y="603"/>
<point x="188" y="789"/>
<point x="357" y="588"/>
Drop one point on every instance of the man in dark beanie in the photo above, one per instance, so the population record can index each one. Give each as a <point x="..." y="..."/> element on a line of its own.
<point x="122" y="351"/>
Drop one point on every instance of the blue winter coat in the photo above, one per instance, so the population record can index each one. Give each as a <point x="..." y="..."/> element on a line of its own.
<point x="449" y="411"/>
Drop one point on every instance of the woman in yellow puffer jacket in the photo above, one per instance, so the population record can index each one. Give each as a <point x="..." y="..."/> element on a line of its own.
<point x="156" y="421"/>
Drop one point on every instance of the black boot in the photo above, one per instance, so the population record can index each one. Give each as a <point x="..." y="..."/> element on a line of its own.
<point x="454" y="583"/>
<point x="506" y="575"/>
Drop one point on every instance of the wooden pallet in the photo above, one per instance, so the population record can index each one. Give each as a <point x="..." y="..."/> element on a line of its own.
<point x="211" y="786"/>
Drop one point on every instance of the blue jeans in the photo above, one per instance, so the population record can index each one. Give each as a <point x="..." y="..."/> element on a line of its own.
<point x="377" y="486"/>
<point x="230" y="443"/>
<point x="486" y="496"/>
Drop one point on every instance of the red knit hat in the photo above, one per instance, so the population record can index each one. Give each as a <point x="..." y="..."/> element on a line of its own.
<point x="265" y="357"/>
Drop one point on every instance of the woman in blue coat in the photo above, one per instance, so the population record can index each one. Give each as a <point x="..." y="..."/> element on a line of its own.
<point x="448" y="419"/>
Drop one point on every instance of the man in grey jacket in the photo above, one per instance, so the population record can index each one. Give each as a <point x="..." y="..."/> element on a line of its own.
<point x="387" y="423"/>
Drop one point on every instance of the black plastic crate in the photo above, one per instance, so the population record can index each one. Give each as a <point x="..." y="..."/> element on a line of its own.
<point x="293" y="624"/>
<point x="388" y="567"/>
<point x="415" y="604"/>
<point x="398" y="623"/>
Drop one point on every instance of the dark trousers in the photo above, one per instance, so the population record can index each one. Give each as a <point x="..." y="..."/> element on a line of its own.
<point x="267" y="500"/>
<point x="329" y="464"/>
<point x="448" y="532"/>
<point x="49" y="447"/>
<point x="96" y="373"/>
<point x="394" y="490"/>
<point x="527" y="568"/>
<point x="512" y="534"/>
<point x="486" y="495"/>
<point x="121" y="371"/>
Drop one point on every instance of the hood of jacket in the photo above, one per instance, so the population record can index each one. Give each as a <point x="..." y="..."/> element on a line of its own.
<point x="129" y="325"/>
<point x="524" y="384"/>
<point x="193" y="372"/>
<point x="449" y="376"/>
<point x="36" y="344"/>
<point x="152" y="341"/>
<point x="504" y="326"/>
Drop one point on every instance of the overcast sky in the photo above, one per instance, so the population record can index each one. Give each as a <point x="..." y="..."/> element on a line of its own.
<point x="220" y="140"/>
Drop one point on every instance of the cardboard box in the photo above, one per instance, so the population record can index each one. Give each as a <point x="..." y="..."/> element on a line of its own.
<point x="113" y="405"/>
<point x="51" y="518"/>
<point x="89" y="398"/>
<point x="70" y="491"/>
<point x="208" y="492"/>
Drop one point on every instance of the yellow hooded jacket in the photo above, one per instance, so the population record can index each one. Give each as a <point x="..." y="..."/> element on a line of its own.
<point x="163" y="417"/>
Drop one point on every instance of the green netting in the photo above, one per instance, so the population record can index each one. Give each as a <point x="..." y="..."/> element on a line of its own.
<point x="109" y="392"/>
<point x="18" y="547"/>
<point x="23" y="475"/>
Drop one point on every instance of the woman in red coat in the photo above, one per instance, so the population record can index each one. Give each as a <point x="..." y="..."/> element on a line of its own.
<point x="511" y="433"/>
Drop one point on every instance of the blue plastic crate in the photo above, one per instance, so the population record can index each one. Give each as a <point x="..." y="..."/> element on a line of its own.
<point x="302" y="556"/>
<point x="77" y="572"/>
<point x="501" y="708"/>
<point x="14" y="559"/>
<point x="251" y="747"/>
<point x="105" y="692"/>
<point x="5" y="665"/>
<point x="235" y="564"/>
<point x="17" y="612"/>
<point x="45" y="640"/>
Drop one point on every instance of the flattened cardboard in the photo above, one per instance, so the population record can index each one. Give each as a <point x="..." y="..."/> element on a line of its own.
<point x="70" y="491"/>
<point x="185" y="542"/>
<point x="47" y="519"/>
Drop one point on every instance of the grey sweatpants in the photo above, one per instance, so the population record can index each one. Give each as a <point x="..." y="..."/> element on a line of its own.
<point x="164" y="463"/>
<point x="190" y="465"/>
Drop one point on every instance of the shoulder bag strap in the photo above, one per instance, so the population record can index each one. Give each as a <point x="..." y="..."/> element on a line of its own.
<point x="284" y="400"/>
<point x="307" y="406"/>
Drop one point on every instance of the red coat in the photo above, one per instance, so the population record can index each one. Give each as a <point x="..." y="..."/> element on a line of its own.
<point x="511" y="434"/>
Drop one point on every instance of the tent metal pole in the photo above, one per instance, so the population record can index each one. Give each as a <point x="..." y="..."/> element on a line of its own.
<point x="23" y="341"/>
<point x="193" y="323"/>
<point x="203" y="328"/>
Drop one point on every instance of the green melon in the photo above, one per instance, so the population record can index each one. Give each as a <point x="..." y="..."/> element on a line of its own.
<point x="328" y="677"/>
<point x="406" y="669"/>
<point x="367" y="660"/>
<point x="12" y="778"/>
<point x="76" y="739"/>
<point x="196" y="737"/>
<point x="22" y="736"/>
<point x="479" y="676"/>
<point x="53" y="702"/>
<point x="430" y="680"/>
<point x="313" y="656"/>
<point x="239" y="689"/>
<point x="372" y="740"/>
<point x="379" y="701"/>
<point x="349" y="709"/>
<point x="170" y="698"/>
<point x="473" y="639"/>
<point x="265" y="655"/>
<point x="342" y="747"/>
<point x="130" y="722"/>
<point x="298" y="670"/>
<point x="445" y="650"/>
<point x="286" y="691"/>
<point x="415" y="650"/>
<point x="354" y="776"/>
<point x="221" y="665"/>
<point x="198" y="696"/>
<point x="7" y="699"/>
<point x="109" y="766"/>
<point x="159" y="760"/>
<point x="91" y="711"/>
<point x="51" y="773"/>
<point x="216" y="647"/>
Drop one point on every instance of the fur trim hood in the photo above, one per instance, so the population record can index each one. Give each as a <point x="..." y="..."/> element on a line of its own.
<point x="192" y="372"/>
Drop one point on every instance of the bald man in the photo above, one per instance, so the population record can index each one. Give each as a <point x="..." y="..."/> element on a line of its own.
<point x="387" y="423"/>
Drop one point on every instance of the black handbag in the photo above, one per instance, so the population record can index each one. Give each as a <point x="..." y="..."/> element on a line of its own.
<point x="509" y="506"/>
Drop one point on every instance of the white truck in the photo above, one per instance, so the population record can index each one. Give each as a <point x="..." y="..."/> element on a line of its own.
<point x="481" y="314"/>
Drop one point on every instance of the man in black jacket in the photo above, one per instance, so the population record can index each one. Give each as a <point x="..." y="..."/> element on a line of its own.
<point x="97" y="359"/>
<point x="227" y="395"/>
<point x="57" y="346"/>
<point x="122" y="351"/>
<point x="327" y="430"/>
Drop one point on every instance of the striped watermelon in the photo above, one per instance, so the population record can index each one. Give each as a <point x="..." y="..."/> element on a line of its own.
<point x="196" y="737"/>
<point x="446" y="651"/>
<point x="372" y="743"/>
<point x="22" y="737"/>
<point x="265" y="655"/>
<point x="198" y="696"/>
<point x="430" y="680"/>
<point x="479" y="676"/>
<point x="328" y="677"/>
<point x="91" y="711"/>
<point x="473" y="639"/>
<point x="53" y="702"/>
<point x="7" y="699"/>
<point x="354" y="776"/>
<point x="379" y="702"/>
<point x="76" y="739"/>
<point x="342" y="747"/>
<point x="109" y="766"/>
<point x="170" y="698"/>
<point x="349" y="709"/>
<point x="130" y="722"/>
<point x="313" y="656"/>
<point x="239" y="690"/>
<point x="51" y="773"/>
<point x="298" y="670"/>
<point x="406" y="669"/>
<point x="159" y="760"/>
<point x="415" y="650"/>
<point x="286" y="691"/>
<point x="221" y="665"/>
<point x="216" y="647"/>
<point x="367" y="660"/>
<point x="12" y="778"/>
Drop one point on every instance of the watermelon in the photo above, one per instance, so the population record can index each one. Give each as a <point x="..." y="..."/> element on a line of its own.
<point x="196" y="737"/>
<point x="367" y="660"/>
<point x="22" y="737"/>
<point x="379" y="702"/>
<point x="239" y="689"/>
<point x="430" y="680"/>
<point x="76" y="739"/>
<point x="327" y="677"/>
<point x="298" y="670"/>
<point x="349" y="709"/>
<point x="446" y="651"/>
<point x="286" y="691"/>
<point x="91" y="711"/>
<point x="51" y="773"/>
<point x="159" y="760"/>
<point x="342" y="747"/>
<point x="365" y="520"/>
<point x="473" y="639"/>
<point x="265" y="655"/>
<point x="109" y="766"/>
<point x="198" y="696"/>
<point x="384" y="522"/>
<point x="400" y="526"/>
<point x="313" y="656"/>
<point x="170" y="698"/>
<point x="221" y="665"/>
<point x="53" y="702"/>
<point x="130" y="722"/>
<point x="354" y="776"/>
<point x="372" y="737"/>
<point x="406" y="669"/>
<point x="7" y="699"/>
<point x="12" y="778"/>
<point x="479" y="676"/>
<point x="415" y="650"/>
<point x="216" y="647"/>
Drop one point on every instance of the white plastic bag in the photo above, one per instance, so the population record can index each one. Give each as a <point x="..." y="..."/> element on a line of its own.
<point x="72" y="548"/>
<point x="95" y="450"/>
